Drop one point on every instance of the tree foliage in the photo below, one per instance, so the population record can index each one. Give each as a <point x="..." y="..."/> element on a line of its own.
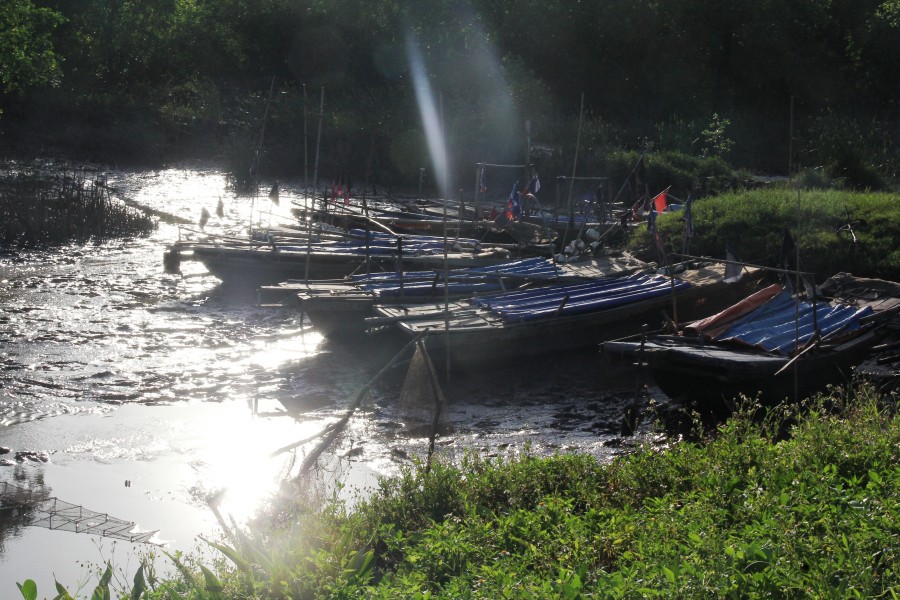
<point x="715" y="78"/>
<point x="27" y="58"/>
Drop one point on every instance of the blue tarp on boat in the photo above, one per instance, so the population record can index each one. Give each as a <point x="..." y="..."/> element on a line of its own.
<point x="579" y="298"/>
<point x="783" y="324"/>
<point x="355" y="249"/>
<point x="459" y="281"/>
<point x="430" y="288"/>
<point x="531" y="268"/>
<point x="381" y="244"/>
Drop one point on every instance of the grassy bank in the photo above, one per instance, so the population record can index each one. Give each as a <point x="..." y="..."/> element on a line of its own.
<point x="799" y="502"/>
<point x="754" y="222"/>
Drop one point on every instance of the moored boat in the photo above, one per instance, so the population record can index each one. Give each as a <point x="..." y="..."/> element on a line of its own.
<point x="340" y="308"/>
<point x="482" y="332"/>
<point x="261" y="262"/>
<point x="771" y="344"/>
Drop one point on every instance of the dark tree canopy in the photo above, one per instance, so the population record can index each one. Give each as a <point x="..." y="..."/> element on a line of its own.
<point x="27" y="58"/>
<point x="701" y="77"/>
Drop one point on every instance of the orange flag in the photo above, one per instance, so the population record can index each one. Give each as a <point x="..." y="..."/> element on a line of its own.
<point x="661" y="201"/>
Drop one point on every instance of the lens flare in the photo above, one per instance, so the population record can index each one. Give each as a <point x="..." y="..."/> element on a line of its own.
<point x="431" y="118"/>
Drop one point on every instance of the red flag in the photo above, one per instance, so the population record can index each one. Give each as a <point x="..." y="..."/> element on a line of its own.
<point x="661" y="201"/>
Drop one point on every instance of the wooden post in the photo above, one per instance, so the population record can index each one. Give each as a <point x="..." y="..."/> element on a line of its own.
<point x="791" y="141"/>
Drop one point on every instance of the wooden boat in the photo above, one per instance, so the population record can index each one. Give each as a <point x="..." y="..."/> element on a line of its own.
<point x="481" y="332"/>
<point x="428" y="219"/>
<point x="399" y="215"/>
<point x="770" y="344"/>
<point x="260" y="262"/>
<point x="881" y="295"/>
<point x="339" y="308"/>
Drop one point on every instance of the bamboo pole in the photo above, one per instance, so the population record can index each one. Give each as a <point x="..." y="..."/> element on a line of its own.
<point x="743" y="264"/>
<point x="438" y="404"/>
<point x="574" y="167"/>
<point x="318" y="143"/>
<point x="479" y="169"/>
<point x="446" y="276"/>
<point x="262" y="135"/>
<point x="305" y="151"/>
<point x="797" y="300"/>
<point x="315" y="182"/>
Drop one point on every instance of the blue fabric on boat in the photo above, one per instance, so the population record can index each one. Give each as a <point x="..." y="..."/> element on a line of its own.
<point x="782" y="324"/>
<point x="537" y="267"/>
<point x="429" y="289"/>
<point x="343" y="248"/>
<point x="362" y="278"/>
<point x="561" y="219"/>
<point x="579" y="298"/>
<point x="409" y="215"/>
<point x="459" y="281"/>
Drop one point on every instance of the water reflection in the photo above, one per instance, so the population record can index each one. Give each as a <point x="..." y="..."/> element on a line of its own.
<point x="15" y="513"/>
<point x="122" y="372"/>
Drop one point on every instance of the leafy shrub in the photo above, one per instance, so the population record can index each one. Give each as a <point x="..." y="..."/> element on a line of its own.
<point x="754" y="222"/>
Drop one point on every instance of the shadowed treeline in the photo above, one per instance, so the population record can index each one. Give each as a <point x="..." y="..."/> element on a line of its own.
<point x="765" y="86"/>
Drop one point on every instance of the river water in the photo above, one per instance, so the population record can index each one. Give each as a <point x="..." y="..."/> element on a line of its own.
<point x="145" y="393"/>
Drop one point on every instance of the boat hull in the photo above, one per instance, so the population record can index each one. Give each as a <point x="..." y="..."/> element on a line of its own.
<point x="341" y="308"/>
<point x="714" y="377"/>
<point x="264" y="266"/>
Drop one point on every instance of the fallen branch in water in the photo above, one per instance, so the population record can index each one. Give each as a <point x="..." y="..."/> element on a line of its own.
<point x="331" y="432"/>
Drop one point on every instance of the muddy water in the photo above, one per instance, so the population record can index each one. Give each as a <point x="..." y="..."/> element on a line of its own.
<point x="149" y="393"/>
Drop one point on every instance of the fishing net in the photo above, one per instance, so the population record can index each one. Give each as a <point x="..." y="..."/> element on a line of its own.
<point x="53" y="513"/>
<point x="421" y="399"/>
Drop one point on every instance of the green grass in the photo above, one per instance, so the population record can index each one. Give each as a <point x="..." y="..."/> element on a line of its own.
<point x="785" y="502"/>
<point x="754" y="222"/>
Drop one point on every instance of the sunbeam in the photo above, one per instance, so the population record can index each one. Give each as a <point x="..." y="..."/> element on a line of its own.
<point x="431" y="119"/>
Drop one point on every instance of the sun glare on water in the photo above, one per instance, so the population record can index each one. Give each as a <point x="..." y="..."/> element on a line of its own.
<point x="237" y="462"/>
<point x="271" y="352"/>
<point x="240" y="466"/>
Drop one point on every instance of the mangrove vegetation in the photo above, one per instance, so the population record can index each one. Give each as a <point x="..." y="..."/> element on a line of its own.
<point x="40" y="208"/>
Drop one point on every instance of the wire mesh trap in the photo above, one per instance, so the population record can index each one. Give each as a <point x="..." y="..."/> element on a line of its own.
<point x="53" y="513"/>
